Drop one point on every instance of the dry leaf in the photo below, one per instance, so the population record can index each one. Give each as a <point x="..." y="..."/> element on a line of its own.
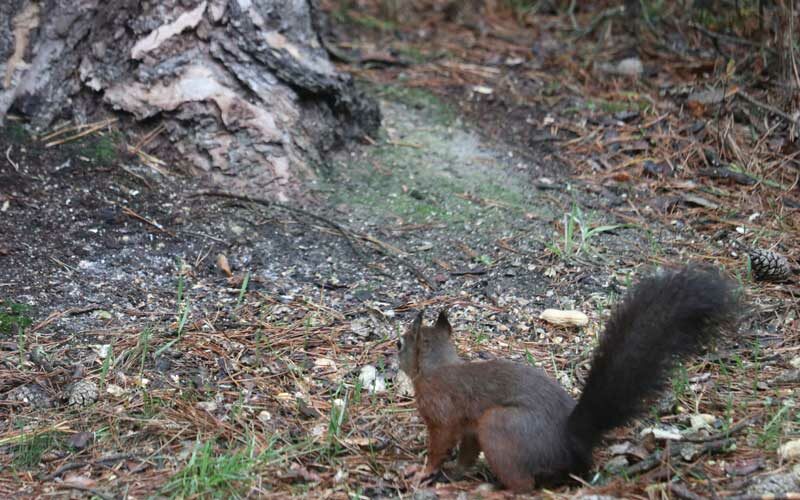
<point x="222" y="263"/>
<point x="80" y="481"/>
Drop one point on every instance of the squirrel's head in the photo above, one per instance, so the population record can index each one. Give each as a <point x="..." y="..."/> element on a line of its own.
<point x="424" y="348"/>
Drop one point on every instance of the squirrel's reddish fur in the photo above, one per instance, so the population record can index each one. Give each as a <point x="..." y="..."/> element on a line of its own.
<point x="528" y="427"/>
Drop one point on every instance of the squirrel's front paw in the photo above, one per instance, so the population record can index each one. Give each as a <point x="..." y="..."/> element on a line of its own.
<point x="426" y="477"/>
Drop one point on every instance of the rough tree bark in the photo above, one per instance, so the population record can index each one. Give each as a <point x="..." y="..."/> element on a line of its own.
<point x="244" y="88"/>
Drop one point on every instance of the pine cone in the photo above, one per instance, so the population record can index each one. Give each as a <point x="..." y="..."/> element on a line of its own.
<point x="769" y="266"/>
<point x="31" y="394"/>
<point x="82" y="394"/>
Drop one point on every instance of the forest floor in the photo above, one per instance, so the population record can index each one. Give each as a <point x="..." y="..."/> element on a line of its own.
<point x="159" y="341"/>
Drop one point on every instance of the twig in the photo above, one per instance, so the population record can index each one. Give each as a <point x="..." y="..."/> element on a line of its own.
<point x="343" y="56"/>
<point x="599" y="19"/>
<point x="64" y="468"/>
<point x="682" y="491"/>
<point x="727" y="38"/>
<point x="727" y="173"/>
<point x="66" y="266"/>
<point x="656" y="458"/>
<point x="203" y="235"/>
<point x="56" y="315"/>
<point x="8" y="157"/>
<point x="92" y="129"/>
<point x="130" y="213"/>
<point x="93" y="491"/>
<point x="148" y="137"/>
<point x="726" y="433"/>
<point x="405" y="144"/>
<point x="346" y="233"/>
<point x="772" y="109"/>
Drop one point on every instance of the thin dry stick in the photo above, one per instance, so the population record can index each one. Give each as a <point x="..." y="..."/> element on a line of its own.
<point x="8" y="157"/>
<point x="772" y="109"/>
<point x="92" y="129"/>
<point x="130" y="213"/>
<point x="63" y="129"/>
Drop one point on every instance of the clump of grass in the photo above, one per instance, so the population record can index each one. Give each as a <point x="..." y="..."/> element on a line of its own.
<point x="578" y="234"/>
<point x="680" y="382"/>
<point x="138" y="354"/>
<point x="29" y="451"/>
<point x="103" y="150"/>
<point x="17" y="132"/>
<point x="184" y="309"/>
<point x="770" y="437"/>
<point x="209" y="474"/>
<point x="14" y="316"/>
<point x="243" y="289"/>
<point x="107" y="363"/>
<point x="338" y="418"/>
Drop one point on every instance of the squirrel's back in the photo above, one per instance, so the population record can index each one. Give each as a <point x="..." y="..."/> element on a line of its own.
<point x="467" y="389"/>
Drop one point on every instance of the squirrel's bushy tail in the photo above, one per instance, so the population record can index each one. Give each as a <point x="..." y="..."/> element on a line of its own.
<point x="666" y="316"/>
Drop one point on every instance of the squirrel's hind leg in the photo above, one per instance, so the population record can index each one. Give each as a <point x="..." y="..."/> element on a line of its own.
<point x="505" y="443"/>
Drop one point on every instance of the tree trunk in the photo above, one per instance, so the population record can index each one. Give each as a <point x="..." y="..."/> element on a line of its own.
<point x="244" y="89"/>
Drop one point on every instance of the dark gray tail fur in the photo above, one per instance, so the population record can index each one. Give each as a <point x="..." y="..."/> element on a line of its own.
<point x="665" y="317"/>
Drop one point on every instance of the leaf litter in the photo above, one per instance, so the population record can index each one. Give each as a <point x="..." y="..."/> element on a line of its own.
<point x="251" y="365"/>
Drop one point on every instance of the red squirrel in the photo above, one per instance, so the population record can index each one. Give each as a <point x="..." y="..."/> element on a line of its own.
<point x="529" y="428"/>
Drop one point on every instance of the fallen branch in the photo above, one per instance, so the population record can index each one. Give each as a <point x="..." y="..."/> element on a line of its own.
<point x="795" y="120"/>
<point x="656" y="458"/>
<point x="727" y="38"/>
<point x="726" y="433"/>
<point x="682" y="491"/>
<point x="727" y="173"/>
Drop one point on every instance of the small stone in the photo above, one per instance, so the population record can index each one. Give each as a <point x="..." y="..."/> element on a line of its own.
<point x="31" y="394"/>
<point x="616" y="464"/>
<point x="403" y="384"/>
<point x="115" y="390"/>
<point x="670" y="433"/>
<point x="776" y="484"/>
<point x="209" y="406"/>
<point x="361" y="327"/>
<point x="701" y="421"/>
<point x="371" y="380"/>
<point x="631" y="66"/>
<point x="790" y="451"/>
<point x="80" y="440"/>
<point x="690" y="451"/>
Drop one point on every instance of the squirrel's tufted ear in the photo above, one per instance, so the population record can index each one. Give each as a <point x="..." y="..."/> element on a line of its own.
<point x="442" y="322"/>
